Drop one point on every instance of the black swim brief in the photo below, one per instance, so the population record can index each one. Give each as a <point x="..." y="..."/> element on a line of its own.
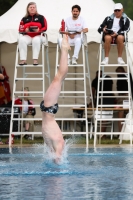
<point x="52" y="109"/>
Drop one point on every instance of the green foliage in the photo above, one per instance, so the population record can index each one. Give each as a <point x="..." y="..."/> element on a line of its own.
<point x="5" y="5"/>
<point x="128" y="7"/>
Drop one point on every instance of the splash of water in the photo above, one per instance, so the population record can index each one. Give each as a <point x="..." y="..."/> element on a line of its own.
<point x="50" y="156"/>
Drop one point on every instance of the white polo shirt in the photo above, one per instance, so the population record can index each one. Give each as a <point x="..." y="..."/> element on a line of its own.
<point x="75" y="25"/>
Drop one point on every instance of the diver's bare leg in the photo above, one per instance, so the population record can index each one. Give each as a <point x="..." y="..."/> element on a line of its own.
<point x="50" y="129"/>
<point x="53" y="92"/>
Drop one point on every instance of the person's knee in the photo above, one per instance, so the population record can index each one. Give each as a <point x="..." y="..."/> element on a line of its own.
<point x="108" y="38"/>
<point x="22" y="40"/>
<point x="36" y="41"/>
<point x="120" y="39"/>
<point x="77" y="40"/>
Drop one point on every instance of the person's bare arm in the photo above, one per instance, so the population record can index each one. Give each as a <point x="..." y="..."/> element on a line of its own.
<point x="85" y="30"/>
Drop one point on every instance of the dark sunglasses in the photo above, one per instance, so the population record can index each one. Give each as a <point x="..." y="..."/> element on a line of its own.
<point x="117" y="10"/>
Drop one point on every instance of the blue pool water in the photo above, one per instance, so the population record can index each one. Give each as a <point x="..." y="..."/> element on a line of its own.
<point x="101" y="174"/>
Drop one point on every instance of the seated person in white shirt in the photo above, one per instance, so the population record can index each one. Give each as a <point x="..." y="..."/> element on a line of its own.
<point x="76" y="24"/>
<point x="118" y="23"/>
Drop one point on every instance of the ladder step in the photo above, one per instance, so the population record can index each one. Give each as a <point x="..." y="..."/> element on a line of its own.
<point x="115" y="73"/>
<point x="30" y="65"/>
<point x="71" y="105"/>
<point x="29" y="92"/>
<point x="75" y="74"/>
<point x="74" y="79"/>
<point x="31" y="96"/>
<point x="113" y="78"/>
<point x="78" y="65"/>
<point x="70" y="119"/>
<point x="112" y="106"/>
<point x="111" y="119"/>
<point x="40" y="133"/>
<point x="15" y="105"/>
<point x="112" y="92"/>
<point x="113" y="65"/>
<point x="24" y="119"/>
<point x="62" y="96"/>
<point x="112" y="133"/>
<point x="29" y="79"/>
<point x="58" y="119"/>
<point x="72" y="92"/>
<point x="74" y="133"/>
<point x="113" y="97"/>
<point x="33" y="73"/>
<point x="29" y="133"/>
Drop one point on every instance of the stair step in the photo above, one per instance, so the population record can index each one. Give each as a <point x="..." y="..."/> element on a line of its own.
<point x="111" y="119"/>
<point x="70" y="119"/>
<point x="78" y="65"/>
<point x="112" y="133"/>
<point x="64" y="96"/>
<point x="33" y="73"/>
<point x="113" y="65"/>
<point x="74" y="133"/>
<point x="30" y="65"/>
<point x="72" y="92"/>
<point x="71" y="105"/>
<point x="29" y="79"/>
<point x="112" y="92"/>
<point x="115" y="73"/>
<point x="31" y="96"/>
<point x="28" y="119"/>
<point x="74" y="79"/>
<point x="113" y="78"/>
<point x="58" y="119"/>
<point x="113" y="97"/>
<point x="40" y="133"/>
<point x="35" y="105"/>
<point x="29" y="92"/>
<point x="25" y="133"/>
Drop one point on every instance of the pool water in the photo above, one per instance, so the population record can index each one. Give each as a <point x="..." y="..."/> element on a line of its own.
<point x="102" y="173"/>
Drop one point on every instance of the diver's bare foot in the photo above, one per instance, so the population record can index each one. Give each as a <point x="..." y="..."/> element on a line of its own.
<point x="65" y="45"/>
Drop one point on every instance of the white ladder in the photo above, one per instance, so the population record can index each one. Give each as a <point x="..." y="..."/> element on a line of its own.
<point x="76" y="95"/>
<point x="100" y="94"/>
<point x="42" y="72"/>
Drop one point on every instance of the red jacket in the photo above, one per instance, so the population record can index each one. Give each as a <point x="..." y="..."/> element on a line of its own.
<point x="5" y="87"/>
<point x="35" y="20"/>
<point x="30" y="108"/>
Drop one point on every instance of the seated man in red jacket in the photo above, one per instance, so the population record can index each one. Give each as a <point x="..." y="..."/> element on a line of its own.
<point x="28" y="112"/>
<point x="32" y="24"/>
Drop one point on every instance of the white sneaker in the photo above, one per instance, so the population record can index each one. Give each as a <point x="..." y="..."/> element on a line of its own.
<point x="69" y="61"/>
<point x="74" y="62"/>
<point x="105" y="61"/>
<point x="121" y="61"/>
